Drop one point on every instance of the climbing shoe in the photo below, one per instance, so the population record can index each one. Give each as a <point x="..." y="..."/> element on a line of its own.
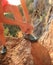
<point x="3" y="50"/>
<point x="30" y="37"/>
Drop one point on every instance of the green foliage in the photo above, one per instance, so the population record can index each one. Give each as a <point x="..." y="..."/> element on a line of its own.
<point x="12" y="30"/>
<point x="6" y="31"/>
<point x="29" y="4"/>
<point x="20" y="9"/>
<point x="9" y="15"/>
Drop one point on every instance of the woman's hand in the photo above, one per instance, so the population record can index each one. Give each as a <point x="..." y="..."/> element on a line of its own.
<point x="26" y="28"/>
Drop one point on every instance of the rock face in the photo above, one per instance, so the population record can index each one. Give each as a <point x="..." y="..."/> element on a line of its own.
<point x="47" y="39"/>
<point x="22" y="52"/>
<point x="18" y="53"/>
<point x="40" y="54"/>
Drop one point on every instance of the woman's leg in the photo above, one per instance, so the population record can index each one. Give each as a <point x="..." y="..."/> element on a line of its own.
<point x="2" y="39"/>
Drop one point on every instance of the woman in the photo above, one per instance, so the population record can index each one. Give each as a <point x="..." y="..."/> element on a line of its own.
<point x="25" y="27"/>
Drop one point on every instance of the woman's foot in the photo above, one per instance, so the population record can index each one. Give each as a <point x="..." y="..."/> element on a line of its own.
<point x="4" y="50"/>
<point x="31" y="38"/>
